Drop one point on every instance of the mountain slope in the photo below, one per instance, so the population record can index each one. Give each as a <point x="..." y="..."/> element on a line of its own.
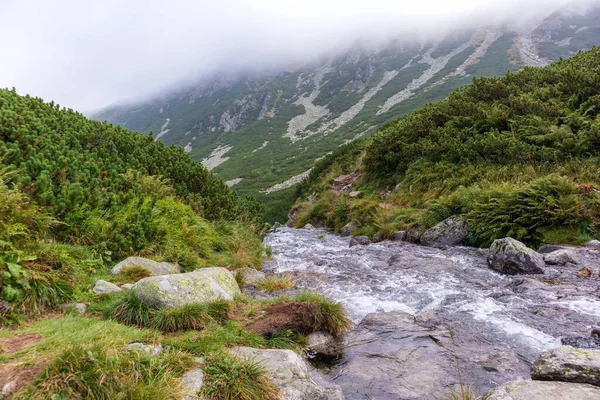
<point x="515" y="156"/>
<point x="263" y="133"/>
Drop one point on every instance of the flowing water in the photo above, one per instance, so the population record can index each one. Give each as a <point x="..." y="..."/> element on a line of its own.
<point x="450" y="289"/>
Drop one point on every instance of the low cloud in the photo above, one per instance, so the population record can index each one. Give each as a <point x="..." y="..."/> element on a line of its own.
<point x="86" y="55"/>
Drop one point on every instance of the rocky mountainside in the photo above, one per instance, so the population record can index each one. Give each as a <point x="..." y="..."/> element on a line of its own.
<point x="263" y="133"/>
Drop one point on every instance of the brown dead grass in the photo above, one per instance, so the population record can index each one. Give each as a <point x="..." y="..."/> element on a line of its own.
<point x="298" y="317"/>
<point x="17" y="375"/>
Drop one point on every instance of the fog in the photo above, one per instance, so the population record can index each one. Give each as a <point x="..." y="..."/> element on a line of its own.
<point x="87" y="55"/>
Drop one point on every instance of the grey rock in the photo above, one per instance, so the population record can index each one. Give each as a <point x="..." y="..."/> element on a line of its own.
<point x="587" y="342"/>
<point x="348" y="229"/>
<point x="289" y="373"/>
<point x="104" y="287"/>
<point x="549" y="248"/>
<point x="153" y="267"/>
<point x="561" y="257"/>
<point x="536" y="390"/>
<point x="359" y="240"/>
<point x="147" y="349"/>
<point x="596" y="333"/>
<point x="321" y="344"/>
<point x="511" y="257"/>
<point x="593" y="244"/>
<point x="413" y="235"/>
<point x="79" y="308"/>
<point x="568" y="364"/>
<point x="309" y="226"/>
<point x="251" y="275"/>
<point x="450" y="232"/>
<point x="192" y="384"/>
<point x="356" y="194"/>
<point x="200" y="286"/>
<point x="399" y="236"/>
<point x="377" y="239"/>
<point x="126" y="286"/>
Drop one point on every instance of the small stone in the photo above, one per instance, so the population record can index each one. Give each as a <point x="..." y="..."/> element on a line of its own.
<point x="593" y="244"/>
<point x="584" y="273"/>
<point x="348" y="229"/>
<point x="309" y="227"/>
<point x="561" y="257"/>
<point x="104" y="287"/>
<point x="596" y="333"/>
<point x="321" y="344"/>
<point x="148" y="349"/>
<point x="377" y="239"/>
<point x="126" y="286"/>
<point x="192" y="384"/>
<point x="356" y="194"/>
<point x="399" y="236"/>
<point x="251" y="275"/>
<point x="413" y="235"/>
<point x="359" y="240"/>
<point x="78" y="308"/>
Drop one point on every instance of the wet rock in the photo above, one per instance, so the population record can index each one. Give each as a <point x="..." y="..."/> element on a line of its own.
<point x="359" y="240"/>
<point x="104" y="287"/>
<point x="511" y="257"/>
<point x="596" y="333"/>
<point x="251" y="276"/>
<point x="147" y="349"/>
<point x="549" y="248"/>
<point x="192" y="382"/>
<point x="78" y="308"/>
<point x="391" y="356"/>
<point x="450" y="232"/>
<point x="413" y="235"/>
<point x="309" y="227"/>
<point x="584" y="273"/>
<point x="399" y="236"/>
<point x="289" y="373"/>
<point x="200" y="286"/>
<point x="355" y="194"/>
<point x="581" y="342"/>
<point x="377" y="239"/>
<point x="153" y="267"/>
<point x="526" y="285"/>
<point x="275" y="226"/>
<point x="562" y="257"/>
<point x="324" y="345"/>
<point x="568" y="365"/>
<point x="593" y="244"/>
<point x="536" y="390"/>
<point x="348" y="229"/>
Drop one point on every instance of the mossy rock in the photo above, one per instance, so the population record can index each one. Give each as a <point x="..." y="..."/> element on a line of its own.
<point x="153" y="267"/>
<point x="568" y="364"/>
<point x="511" y="257"/>
<point x="176" y="290"/>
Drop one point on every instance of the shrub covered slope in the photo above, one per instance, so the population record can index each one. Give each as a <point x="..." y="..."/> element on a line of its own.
<point x="517" y="156"/>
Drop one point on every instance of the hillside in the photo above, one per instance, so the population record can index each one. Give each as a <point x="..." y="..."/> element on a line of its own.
<point x="514" y="156"/>
<point x="263" y="132"/>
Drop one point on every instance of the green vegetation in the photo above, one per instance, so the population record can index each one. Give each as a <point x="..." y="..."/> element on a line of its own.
<point x="273" y="284"/>
<point x="518" y="156"/>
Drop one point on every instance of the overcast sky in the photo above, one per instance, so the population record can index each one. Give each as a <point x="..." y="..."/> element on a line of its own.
<point x="89" y="54"/>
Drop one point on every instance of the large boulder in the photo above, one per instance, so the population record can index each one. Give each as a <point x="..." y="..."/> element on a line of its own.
<point x="511" y="257"/>
<point x="450" y="232"/>
<point x="562" y="257"/>
<point x="104" y="287"/>
<point x="535" y="390"/>
<point x="153" y="267"/>
<point x="201" y="286"/>
<point x="569" y="365"/>
<point x="289" y="373"/>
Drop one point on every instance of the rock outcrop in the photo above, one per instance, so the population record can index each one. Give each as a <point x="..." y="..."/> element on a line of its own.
<point x="153" y="267"/>
<point x="192" y="384"/>
<point x="200" y="286"/>
<point x="534" y="390"/>
<point x="511" y="257"/>
<point x="450" y="232"/>
<point x="289" y="373"/>
<point x="568" y="364"/>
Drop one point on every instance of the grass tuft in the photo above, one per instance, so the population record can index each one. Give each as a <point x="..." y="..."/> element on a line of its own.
<point x="131" y="274"/>
<point x="331" y="315"/>
<point x="188" y="317"/>
<point x="273" y="284"/>
<point x="130" y="310"/>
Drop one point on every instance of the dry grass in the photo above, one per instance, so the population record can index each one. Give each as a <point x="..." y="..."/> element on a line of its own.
<point x="273" y="284"/>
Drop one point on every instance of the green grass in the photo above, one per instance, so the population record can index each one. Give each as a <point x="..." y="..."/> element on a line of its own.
<point x="273" y="284"/>
<point x="331" y="316"/>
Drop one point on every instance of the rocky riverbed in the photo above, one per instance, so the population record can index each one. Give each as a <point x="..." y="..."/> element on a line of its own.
<point x="429" y="319"/>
